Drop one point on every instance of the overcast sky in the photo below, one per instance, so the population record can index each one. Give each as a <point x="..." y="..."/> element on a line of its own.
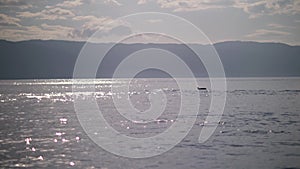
<point x="220" y="20"/>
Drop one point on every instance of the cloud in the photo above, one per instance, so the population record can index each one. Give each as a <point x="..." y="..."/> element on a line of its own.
<point x="54" y="12"/>
<point x="268" y="7"/>
<point x="275" y="25"/>
<point x="279" y="26"/>
<point x="193" y="5"/>
<point x="266" y="33"/>
<point x="48" y="14"/>
<point x="141" y="2"/>
<point x="70" y="4"/>
<point x="14" y="4"/>
<point x="154" y="20"/>
<point x="44" y="31"/>
<point x="6" y="20"/>
<point x="190" y="5"/>
<point x="112" y="2"/>
<point x="255" y="8"/>
<point x="104" y="25"/>
<point x="56" y="27"/>
<point x="93" y="21"/>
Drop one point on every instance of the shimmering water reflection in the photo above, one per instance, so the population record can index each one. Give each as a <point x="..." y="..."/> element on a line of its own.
<point x="260" y="127"/>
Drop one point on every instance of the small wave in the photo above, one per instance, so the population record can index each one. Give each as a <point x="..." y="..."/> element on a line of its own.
<point x="293" y="91"/>
<point x="253" y="92"/>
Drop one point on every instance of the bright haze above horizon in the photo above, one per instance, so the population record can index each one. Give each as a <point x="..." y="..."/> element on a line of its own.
<point x="220" y="20"/>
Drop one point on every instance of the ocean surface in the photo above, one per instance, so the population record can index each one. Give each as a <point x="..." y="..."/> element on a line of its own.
<point x="260" y="127"/>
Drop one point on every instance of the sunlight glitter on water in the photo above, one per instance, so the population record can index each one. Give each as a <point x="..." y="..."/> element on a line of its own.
<point x="260" y="126"/>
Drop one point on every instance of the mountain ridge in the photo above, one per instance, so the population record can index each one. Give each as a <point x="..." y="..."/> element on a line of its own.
<point x="217" y="43"/>
<point x="47" y="59"/>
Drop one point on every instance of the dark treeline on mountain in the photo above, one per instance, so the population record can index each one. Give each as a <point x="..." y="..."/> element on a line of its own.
<point x="36" y="59"/>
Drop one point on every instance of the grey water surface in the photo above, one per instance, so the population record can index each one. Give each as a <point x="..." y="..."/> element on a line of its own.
<point x="260" y="127"/>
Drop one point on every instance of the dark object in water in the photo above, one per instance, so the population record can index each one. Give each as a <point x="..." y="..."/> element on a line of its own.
<point x="201" y="88"/>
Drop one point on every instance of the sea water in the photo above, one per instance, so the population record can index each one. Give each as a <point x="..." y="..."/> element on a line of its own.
<point x="260" y="126"/>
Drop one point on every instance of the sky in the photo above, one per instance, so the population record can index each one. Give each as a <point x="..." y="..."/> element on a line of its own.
<point x="219" y="20"/>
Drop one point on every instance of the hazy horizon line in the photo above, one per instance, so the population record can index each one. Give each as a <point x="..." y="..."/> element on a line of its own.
<point x="163" y="43"/>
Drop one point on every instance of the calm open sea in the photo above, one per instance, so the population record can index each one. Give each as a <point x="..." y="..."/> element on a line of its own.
<point x="260" y="127"/>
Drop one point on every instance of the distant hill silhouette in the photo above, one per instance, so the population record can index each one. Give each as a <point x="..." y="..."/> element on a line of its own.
<point x="56" y="59"/>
